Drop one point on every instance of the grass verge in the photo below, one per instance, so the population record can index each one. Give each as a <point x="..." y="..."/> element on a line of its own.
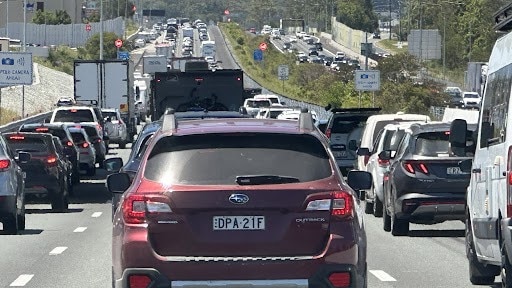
<point x="7" y="116"/>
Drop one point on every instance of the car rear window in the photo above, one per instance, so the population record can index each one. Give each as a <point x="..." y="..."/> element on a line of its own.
<point x="27" y="144"/>
<point x="74" y="115"/>
<point x="432" y="144"/>
<point x="54" y="131"/>
<point x="345" y="125"/>
<point x="258" y="103"/>
<point x="188" y="160"/>
<point x="78" y="137"/>
<point x="112" y="115"/>
<point x="91" y="131"/>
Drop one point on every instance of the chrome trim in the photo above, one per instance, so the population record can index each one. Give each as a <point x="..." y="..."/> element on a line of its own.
<point x="234" y="259"/>
<point x="287" y="283"/>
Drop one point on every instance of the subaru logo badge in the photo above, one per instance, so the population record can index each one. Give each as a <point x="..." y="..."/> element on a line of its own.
<point x="238" y="198"/>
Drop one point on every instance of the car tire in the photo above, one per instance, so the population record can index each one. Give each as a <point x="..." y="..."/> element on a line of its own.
<point x="75" y="178"/>
<point x="399" y="227"/>
<point x="91" y="171"/>
<point x="368" y="206"/>
<point x="506" y="268"/>
<point x="21" y="220"/>
<point x="386" y="221"/>
<point x="100" y="162"/>
<point x="60" y="200"/>
<point x="11" y="225"/>
<point x="478" y="273"/>
<point x="377" y="206"/>
<point x="122" y="144"/>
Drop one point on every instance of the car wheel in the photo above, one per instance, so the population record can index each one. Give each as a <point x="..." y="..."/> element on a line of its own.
<point x="91" y="171"/>
<point x="59" y="201"/>
<point x="11" y="225"/>
<point x="399" y="227"/>
<point x="506" y="269"/>
<point x="377" y="206"/>
<point x="478" y="273"/>
<point x="386" y="221"/>
<point x="122" y="144"/>
<point x="21" y="220"/>
<point x="100" y="162"/>
<point x="368" y="206"/>
<point x="75" y="178"/>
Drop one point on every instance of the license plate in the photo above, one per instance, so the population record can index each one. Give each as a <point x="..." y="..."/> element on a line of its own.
<point x="340" y="154"/>
<point x="454" y="171"/>
<point x="238" y="222"/>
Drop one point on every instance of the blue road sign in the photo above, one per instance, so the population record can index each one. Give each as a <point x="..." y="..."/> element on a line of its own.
<point x="123" y="55"/>
<point x="258" y="55"/>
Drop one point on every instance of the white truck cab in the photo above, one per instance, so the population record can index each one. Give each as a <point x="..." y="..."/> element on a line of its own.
<point x="489" y="194"/>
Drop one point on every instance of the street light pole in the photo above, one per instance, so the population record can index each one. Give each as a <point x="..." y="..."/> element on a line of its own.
<point x="7" y="19"/>
<point x="24" y="48"/>
<point x="101" y="29"/>
<point x="390" y="19"/>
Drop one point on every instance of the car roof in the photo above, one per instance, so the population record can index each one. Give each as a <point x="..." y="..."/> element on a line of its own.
<point x="397" y="117"/>
<point x="49" y="125"/>
<point x="417" y="128"/>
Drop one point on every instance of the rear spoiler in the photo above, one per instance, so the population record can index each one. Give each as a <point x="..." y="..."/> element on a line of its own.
<point x="353" y="110"/>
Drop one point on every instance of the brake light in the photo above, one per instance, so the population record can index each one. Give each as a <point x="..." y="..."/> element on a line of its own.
<point x="73" y="110"/>
<point x="4" y="164"/>
<point x="408" y="167"/>
<point x="98" y="140"/>
<point x="135" y="208"/>
<point x="423" y="168"/>
<point x="51" y="160"/>
<point x="85" y="144"/>
<point x="17" y="137"/>
<point x="340" y="279"/>
<point x="340" y="203"/>
<point x="69" y="144"/>
<point x="383" y="163"/>
<point x="42" y="129"/>
<point x="328" y="132"/>
<point x="139" y="281"/>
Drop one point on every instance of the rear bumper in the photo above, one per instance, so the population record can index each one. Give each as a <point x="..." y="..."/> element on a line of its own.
<point x="7" y="205"/>
<point x="429" y="209"/>
<point x="320" y="279"/>
<point x="41" y="184"/>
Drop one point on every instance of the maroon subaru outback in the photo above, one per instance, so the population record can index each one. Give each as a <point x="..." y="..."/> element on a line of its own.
<point x="238" y="203"/>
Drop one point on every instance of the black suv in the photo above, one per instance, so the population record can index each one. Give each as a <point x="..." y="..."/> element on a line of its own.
<point x="425" y="184"/>
<point x="66" y="139"/>
<point x="46" y="170"/>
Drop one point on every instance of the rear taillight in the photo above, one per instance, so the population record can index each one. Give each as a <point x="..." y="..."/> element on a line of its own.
<point x="509" y="183"/>
<point x="383" y="163"/>
<point x="136" y="207"/>
<point x="339" y="203"/>
<point x="415" y="166"/>
<point x="408" y="167"/>
<point x="98" y="140"/>
<point x="340" y="279"/>
<point x="69" y="144"/>
<point x="4" y="164"/>
<point x="139" y="281"/>
<point x="423" y="168"/>
<point x="51" y="160"/>
<point x="328" y="132"/>
<point x="85" y="145"/>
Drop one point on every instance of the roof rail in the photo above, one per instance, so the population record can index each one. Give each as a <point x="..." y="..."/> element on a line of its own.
<point x="338" y="110"/>
<point x="503" y="19"/>
<point x="169" y="121"/>
<point x="306" y="122"/>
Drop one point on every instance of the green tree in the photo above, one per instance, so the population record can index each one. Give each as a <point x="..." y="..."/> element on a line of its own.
<point x="357" y="14"/>
<point x="109" y="49"/>
<point x="44" y="17"/>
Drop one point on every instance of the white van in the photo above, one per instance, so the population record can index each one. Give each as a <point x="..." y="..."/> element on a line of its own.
<point x="373" y="126"/>
<point x="489" y="194"/>
<point x="273" y="98"/>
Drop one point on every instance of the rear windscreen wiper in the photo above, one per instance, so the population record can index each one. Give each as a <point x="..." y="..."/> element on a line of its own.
<point x="265" y="179"/>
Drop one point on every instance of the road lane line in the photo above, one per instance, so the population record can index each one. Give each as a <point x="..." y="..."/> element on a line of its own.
<point x="80" y="229"/>
<point x="22" y="280"/>
<point x="383" y="276"/>
<point x="58" y="250"/>
<point x="96" y="214"/>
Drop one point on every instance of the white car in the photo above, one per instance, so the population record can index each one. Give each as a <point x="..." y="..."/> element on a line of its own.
<point x="292" y="39"/>
<point x="295" y="115"/>
<point x="139" y="43"/>
<point x="87" y="156"/>
<point x="253" y="106"/>
<point x="116" y="131"/>
<point x="272" y="112"/>
<point x="273" y="98"/>
<point x="471" y="100"/>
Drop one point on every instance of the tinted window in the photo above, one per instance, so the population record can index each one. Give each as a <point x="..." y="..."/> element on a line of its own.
<point x="112" y="115"/>
<point x="78" y="137"/>
<point x="380" y="125"/>
<point x="258" y="103"/>
<point x="432" y="144"/>
<point x="188" y="159"/>
<point x="91" y="131"/>
<point x="54" y="131"/>
<point x="345" y="125"/>
<point x="274" y="113"/>
<point x="27" y="144"/>
<point x="392" y="140"/>
<point x="74" y="115"/>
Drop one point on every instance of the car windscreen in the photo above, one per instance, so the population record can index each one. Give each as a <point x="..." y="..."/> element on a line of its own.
<point x="471" y="95"/>
<point x="91" y="131"/>
<point x="74" y="115"/>
<point x="432" y="144"/>
<point x="392" y="139"/>
<point x="78" y="137"/>
<point x="258" y="103"/>
<point x="274" y="113"/>
<point x="190" y="160"/>
<point x="26" y="144"/>
<point x="345" y="125"/>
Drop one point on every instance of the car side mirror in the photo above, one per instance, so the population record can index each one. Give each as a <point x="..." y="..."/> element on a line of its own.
<point x="117" y="183"/>
<point x="113" y="164"/>
<point x="24" y="157"/>
<point x="465" y="165"/>
<point x="458" y="130"/>
<point x="359" y="180"/>
<point x="352" y="145"/>
<point x="385" y="155"/>
<point x="363" y="152"/>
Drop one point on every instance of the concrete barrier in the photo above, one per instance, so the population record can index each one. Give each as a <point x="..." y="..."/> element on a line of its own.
<point x="15" y="125"/>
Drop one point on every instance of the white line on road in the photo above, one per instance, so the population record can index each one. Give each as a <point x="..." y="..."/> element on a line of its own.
<point x="58" y="250"/>
<point x="22" y="280"/>
<point x="80" y="229"/>
<point x="96" y="214"/>
<point x="383" y="276"/>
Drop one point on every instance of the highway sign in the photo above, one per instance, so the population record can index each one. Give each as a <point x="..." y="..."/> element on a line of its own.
<point x="367" y="80"/>
<point x="263" y="46"/>
<point x="282" y="72"/>
<point x="87" y="27"/>
<point x="152" y="64"/>
<point x="118" y="43"/>
<point x="123" y="55"/>
<point x="258" y="55"/>
<point x="15" y="68"/>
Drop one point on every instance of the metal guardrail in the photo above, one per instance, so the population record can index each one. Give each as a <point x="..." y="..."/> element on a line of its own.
<point x="14" y="126"/>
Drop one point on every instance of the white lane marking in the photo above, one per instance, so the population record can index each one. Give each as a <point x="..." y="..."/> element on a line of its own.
<point x="22" y="280"/>
<point x="80" y="229"/>
<point x="58" y="250"/>
<point x="383" y="276"/>
<point x="96" y="214"/>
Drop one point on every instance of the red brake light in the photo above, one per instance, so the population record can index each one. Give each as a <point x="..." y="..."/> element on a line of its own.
<point x="73" y="110"/>
<point x="383" y="163"/>
<point x="85" y="145"/>
<point x="328" y="132"/>
<point x="408" y="167"/>
<point x="339" y="203"/>
<point x="51" y="160"/>
<point x="98" y="140"/>
<point x="509" y="182"/>
<point x="17" y="137"/>
<point x="134" y="209"/>
<point x="78" y="126"/>
<point x="4" y="164"/>
<point x="139" y="281"/>
<point x="423" y="168"/>
<point x="69" y="144"/>
<point x="42" y="129"/>
<point x="340" y="279"/>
